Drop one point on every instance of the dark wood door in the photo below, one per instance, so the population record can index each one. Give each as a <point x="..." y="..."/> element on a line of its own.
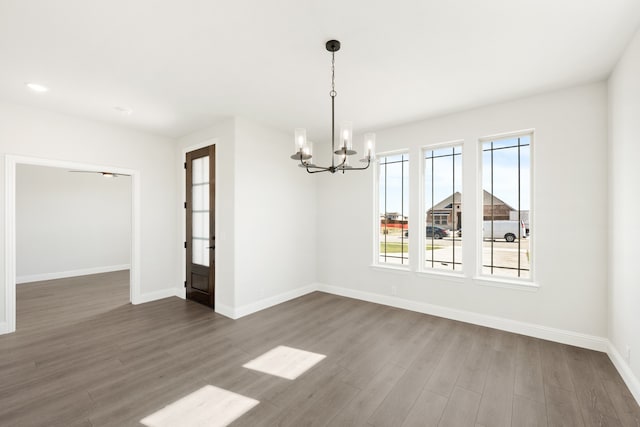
<point x="201" y="238"/>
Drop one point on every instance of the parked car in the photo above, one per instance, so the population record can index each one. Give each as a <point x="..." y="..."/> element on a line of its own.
<point x="503" y="229"/>
<point x="434" y="231"/>
<point x="437" y="232"/>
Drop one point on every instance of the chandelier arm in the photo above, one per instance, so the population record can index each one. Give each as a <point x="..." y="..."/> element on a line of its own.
<point x="315" y="166"/>
<point x="319" y="170"/>
<point x="360" y="169"/>
<point x="357" y="169"/>
<point x="309" y="168"/>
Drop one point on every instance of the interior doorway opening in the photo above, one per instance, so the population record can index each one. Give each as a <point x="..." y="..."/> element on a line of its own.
<point x="73" y="244"/>
<point x="131" y="277"/>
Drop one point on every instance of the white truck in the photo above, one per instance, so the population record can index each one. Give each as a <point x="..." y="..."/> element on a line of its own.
<point x="503" y="229"/>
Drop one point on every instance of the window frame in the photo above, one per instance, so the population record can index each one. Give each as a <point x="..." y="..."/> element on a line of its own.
<point x="422" y="258"/>
<point x="404" y="267"/>
<point x="502" y="281"/>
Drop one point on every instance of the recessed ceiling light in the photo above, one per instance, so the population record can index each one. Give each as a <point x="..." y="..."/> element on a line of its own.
<point x="37" y="87"/>
<point x="124" y="110"/>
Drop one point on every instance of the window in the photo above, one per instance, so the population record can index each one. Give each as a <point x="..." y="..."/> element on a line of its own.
<point x="393" y="197"/>
<point x="506" y="185"/>
<point x="443" y="203"/>
<point x="441" y="219"/>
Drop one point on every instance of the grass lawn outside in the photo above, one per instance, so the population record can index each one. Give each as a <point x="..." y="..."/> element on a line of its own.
<point x="396" y="248"/>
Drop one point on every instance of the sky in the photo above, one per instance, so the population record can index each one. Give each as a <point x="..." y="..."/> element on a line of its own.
<point x="396" y="176"/>
<point x="445" y="167"/>
<point x="505" y="172"/>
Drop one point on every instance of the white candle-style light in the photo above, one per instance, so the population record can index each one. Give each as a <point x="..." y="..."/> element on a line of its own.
<point x="370" y="146"/>
<point x="346" y="136"/>
<point x="300" y="139"/>
<point x="307" y="155"/>
<point x="308" y="150"/>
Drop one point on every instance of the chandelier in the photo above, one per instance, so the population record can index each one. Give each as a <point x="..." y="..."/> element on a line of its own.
<point x="304" y="148"/>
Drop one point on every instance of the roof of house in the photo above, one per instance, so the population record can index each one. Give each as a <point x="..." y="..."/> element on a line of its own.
<point x="457" y="198"/>
<point x="496" y="201"/>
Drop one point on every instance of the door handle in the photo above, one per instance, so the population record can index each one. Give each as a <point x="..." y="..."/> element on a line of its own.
<point x="211" y="247"/>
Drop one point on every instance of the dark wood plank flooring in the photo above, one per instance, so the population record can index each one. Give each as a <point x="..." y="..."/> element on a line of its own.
<point x="83" y="356"/>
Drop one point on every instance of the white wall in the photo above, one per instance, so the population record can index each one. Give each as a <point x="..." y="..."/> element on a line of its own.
<point x="275" y="217"/>
<point x="265" y="217"/>
<point x="38" y="133"/>
<point x="569" y="212"/>
<point x="70" y="223"/>
<point x="624" y="205"/>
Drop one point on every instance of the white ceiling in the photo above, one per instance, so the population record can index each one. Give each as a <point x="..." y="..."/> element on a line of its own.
<point x="182" y="64"/>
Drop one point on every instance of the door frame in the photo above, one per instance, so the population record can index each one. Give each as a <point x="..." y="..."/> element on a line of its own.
<point x="182" y="292"/>
<point x="11" y="161"/>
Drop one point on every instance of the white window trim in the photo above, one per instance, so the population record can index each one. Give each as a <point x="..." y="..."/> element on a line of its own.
<point x="376" y="215"/>
<point x="506" y="283"/>
<point x="391" y="268"/>
<point x="454" y="277"/>
<point x="422" y="258"/>
<point x="499" y="281"/>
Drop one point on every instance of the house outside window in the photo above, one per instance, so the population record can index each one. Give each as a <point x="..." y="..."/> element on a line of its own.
<point x="442" y="175"/>
<point x="392" y="245"/>
<point x="506" y="208"/>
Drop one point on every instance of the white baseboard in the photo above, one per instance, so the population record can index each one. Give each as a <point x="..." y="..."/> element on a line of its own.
<point x="225" y="310"/>
<point x="625" y="371"/>
<point x="245" y="310"/>
<point x="248" y="309"/>
<point x="552" y="334"/>
<point x="155" y="295"/>
<point x="4" y="328"/>
<point x="70" y="273"/>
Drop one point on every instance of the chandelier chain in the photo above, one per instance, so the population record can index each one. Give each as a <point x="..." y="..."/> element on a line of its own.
<point x="333" y="92"/>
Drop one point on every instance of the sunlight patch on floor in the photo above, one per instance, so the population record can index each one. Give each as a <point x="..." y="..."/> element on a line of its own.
<point x="285" y="362"/>
<point x="209" y="406"/>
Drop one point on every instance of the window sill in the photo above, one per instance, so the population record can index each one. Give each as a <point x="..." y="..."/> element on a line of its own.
<point x="507" y="284"/>
<point x="457" y="278"/>
<point x="391" y="268"/>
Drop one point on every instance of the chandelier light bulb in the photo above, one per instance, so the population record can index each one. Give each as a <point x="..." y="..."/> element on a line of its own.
<point x="370" y="146"/>
<point x="308" y="149"/>
<point x="346" y="131"/>
<point x="300" y="139"/>
<point x="307" y="155"/>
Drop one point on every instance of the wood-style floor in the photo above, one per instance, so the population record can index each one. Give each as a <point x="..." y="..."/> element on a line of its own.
<point x="83" y="356"/>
